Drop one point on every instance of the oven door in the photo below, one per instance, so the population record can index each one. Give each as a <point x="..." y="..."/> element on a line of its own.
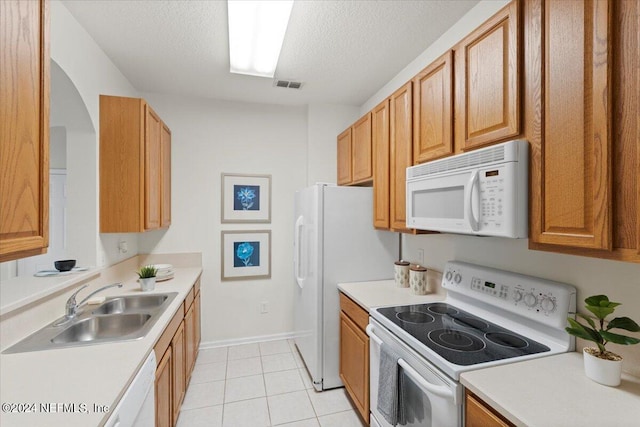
<point x="430" y="398"/>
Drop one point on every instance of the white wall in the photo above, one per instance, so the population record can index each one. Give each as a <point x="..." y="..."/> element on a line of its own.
<point x="326" y="122"/>
<point x="58" y="147"/>
<point x="211" y="137"/>
<point x="92" y="73"/>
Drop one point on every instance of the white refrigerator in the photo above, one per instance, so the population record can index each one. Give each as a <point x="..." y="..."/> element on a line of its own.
<point x="334" y="242"/>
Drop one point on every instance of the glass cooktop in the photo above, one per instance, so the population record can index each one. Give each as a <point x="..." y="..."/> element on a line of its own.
<point x="460" y="337"/>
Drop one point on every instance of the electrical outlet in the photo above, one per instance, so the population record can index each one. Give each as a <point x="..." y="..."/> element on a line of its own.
<point x="123" y="247"/>
<point x="264" y="307"/>
<point x="421" y="257"/>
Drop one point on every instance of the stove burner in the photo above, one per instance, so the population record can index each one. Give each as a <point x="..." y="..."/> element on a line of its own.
<point x="442" y="309"/>
<point x="471" y="322"/>
<point x="456" y="340"/>
<point x="415" y="317"/>
<point x="506" y="340"/>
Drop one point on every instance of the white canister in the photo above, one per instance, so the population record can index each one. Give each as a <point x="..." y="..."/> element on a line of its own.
<point x="418" y="280"/>
<point x="402" y="274"/>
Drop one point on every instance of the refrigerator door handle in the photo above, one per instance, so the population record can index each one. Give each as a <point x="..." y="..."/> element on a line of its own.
<point x="297" y="252"/>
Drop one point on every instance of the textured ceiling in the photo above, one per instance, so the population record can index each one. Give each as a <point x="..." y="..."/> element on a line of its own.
<point x="342" y="51"/>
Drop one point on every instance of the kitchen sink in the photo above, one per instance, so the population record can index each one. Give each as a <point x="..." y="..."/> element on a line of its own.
<point x="131" y="303"/>
<point x="102" y="328"/>
<point x="119" y="318"/>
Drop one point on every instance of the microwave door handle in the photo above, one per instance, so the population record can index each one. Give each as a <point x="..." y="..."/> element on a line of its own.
<point x="438" y="390"/>
<point x="297" y="259"/>
<point x="442" y="391"/>
<point x="473" y="181"/>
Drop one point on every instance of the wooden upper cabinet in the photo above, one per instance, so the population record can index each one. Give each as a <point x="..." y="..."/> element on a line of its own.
<point x="571" y="165"/>
<point x="380" y="143"/>
<point x="361" y="150"/>
<point x="401" y="143"/>
<point x="487" y="73"/>
<point x="165" y="190"/>
<point x="134" y="153"/>
<point x="355" y="165"/>
<point x="433" y="110"/>
<point x="24" y="128"/>
<point x="583" y="81"/>
<point x="152" y="169"/>
<point x="344" y="158"/>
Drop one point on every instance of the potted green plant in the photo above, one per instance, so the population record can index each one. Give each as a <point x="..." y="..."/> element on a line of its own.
<point x="601" y="365"/>
<point x="147" y="275"/>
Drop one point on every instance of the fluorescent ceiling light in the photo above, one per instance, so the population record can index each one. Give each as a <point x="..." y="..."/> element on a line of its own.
<point x="256" y="33"/>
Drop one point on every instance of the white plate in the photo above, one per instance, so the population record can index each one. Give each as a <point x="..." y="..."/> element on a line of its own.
<point x="163" y="278"/>
<point x="162" y="266"/>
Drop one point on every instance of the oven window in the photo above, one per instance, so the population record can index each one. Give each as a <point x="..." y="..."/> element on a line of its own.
<point x="415" y="410"/>
<point x="439" y="203"/>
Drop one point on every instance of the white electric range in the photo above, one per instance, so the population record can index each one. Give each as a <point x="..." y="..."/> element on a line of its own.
<point x="489" y="317"/>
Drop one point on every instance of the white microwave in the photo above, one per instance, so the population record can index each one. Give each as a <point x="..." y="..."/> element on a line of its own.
<point x="483" y="192"/>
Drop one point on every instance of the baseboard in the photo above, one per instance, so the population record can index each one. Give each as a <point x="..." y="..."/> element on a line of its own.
<point x="248" y="340"/>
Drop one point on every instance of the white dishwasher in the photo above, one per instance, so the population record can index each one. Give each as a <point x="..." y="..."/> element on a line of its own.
<point x="137" y="406"/>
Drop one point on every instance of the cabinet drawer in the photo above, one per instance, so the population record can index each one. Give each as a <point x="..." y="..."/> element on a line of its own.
<point x="356" y="313"/>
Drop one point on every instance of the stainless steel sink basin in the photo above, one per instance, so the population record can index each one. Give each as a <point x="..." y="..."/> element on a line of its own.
<point x="131" y="303"/>
<point x="102" y="328"/>
<point x="119" y="318"/>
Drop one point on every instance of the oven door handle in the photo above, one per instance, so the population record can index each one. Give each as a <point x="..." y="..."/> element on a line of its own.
<point x="442" y="391"/>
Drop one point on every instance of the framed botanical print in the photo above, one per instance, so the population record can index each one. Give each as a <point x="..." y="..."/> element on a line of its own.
<point x="246" y="255"/>
<point x="246" y="198"/>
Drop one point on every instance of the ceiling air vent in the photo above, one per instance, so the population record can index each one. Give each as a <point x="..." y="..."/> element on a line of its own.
<point x="287" y="84"/>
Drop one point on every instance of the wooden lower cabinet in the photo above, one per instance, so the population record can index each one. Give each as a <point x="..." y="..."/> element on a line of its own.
<point x="354" y="354"/>
<point x="163" y="390"/>
<point x="179" y="383"/>
<point x="479" y="414"/>
<point x="177" y="349"/>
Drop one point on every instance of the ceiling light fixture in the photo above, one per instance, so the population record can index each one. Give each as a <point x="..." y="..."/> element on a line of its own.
<point x="256" y="33"/>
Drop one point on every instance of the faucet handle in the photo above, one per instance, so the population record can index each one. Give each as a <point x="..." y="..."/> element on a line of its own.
<point x="72" y="298"/>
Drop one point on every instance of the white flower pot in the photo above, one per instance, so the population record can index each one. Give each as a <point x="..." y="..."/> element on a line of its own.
<point x="148" y="283"/>
<point x="606" y="372"/>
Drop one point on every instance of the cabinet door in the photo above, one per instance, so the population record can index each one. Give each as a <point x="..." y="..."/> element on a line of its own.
<point x="163" y="391"/>
<point x="380" y="141"/>
<point x="361" y="155"/>
<point x="433" y="110"/>
<point x="487" y="68"/>
<point x="354" y="363"/>
<point x="190" y="344"/>
<point x="165" y="172"/>
<point x="571" y="165"/>
<point x="196" y="320"/>
<point x="179" y="383"/>
<point x="477" y="414"/>
<point x="152" y="167"/>
<point x="344" y="158"/>
<point x="401" y="154"/>
<point x="24" y="128"/>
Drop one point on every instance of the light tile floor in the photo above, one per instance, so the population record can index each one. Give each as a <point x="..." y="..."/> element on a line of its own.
<point x="263" y="384"/>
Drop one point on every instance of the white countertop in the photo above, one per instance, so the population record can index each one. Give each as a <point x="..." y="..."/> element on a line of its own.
<point x="92" y="374"/>
<point x="554" y="392"/>
<point x="385" y="292"/>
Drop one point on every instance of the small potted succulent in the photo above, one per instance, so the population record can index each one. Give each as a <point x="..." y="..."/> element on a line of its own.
<point x="147" y="276"/>
<point x="601" y="365"/>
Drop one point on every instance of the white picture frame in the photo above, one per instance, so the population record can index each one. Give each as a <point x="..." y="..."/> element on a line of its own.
<point x="246" y="198"/>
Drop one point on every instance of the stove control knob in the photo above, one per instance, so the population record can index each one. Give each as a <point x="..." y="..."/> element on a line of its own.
<point x="517" y="296"/>
<point x="531" y="300"/>
<point x="448" y="275"/>
<point x="458" y="278"/>
<point x="548" y="304"/>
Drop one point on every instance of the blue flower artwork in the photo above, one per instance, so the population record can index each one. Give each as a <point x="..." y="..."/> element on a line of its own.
<point x="247" y="198"/>
<point x="246" y="254"/>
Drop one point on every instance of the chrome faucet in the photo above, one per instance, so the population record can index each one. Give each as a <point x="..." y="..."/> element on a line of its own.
<point x="72" y="307"/>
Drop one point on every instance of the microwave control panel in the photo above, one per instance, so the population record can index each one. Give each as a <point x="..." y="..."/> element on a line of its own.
<point x="492" y="193"/>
